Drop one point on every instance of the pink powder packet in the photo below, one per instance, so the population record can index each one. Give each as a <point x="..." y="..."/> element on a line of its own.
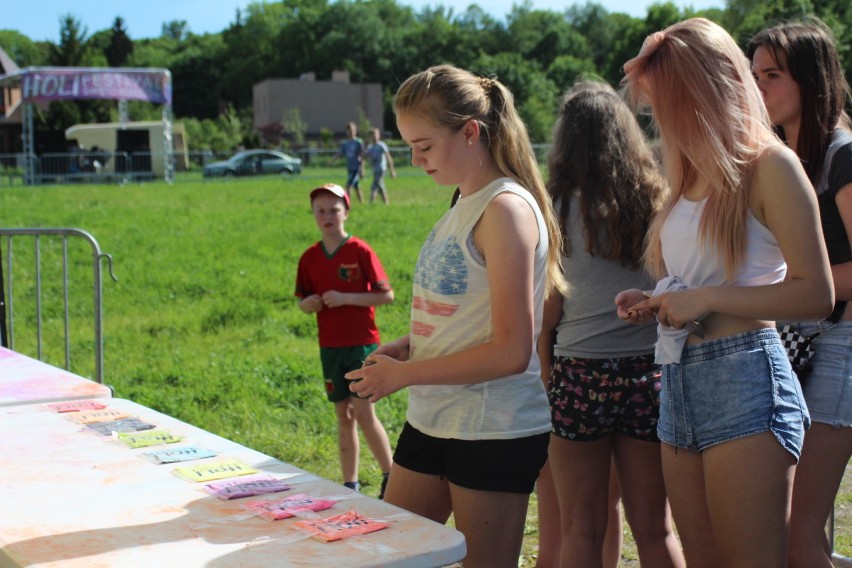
<point x="76" y="406"/>
<point x="289" y="507"/>
<point x="246" y="487"/>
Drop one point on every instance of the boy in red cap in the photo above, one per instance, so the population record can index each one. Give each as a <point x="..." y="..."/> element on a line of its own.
<point x="341" y="280"/>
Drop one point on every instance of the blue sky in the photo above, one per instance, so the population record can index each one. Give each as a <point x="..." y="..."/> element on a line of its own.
<point x="39" y="19"/>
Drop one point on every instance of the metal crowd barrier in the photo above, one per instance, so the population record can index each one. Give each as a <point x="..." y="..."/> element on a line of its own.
<point x="89" y="166"/>
<point x="34" y="317"/>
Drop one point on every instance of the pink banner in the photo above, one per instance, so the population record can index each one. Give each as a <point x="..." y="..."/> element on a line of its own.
<point x="116" y="84"/>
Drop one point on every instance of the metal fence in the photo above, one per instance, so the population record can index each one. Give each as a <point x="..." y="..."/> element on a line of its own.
<point x="59" y="168"/>
<point x="30" y="303"/>
<point x="98" y="166"/>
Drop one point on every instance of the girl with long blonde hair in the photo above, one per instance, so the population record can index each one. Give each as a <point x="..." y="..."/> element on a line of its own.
<point x="478" y="420"/>
<point x="735" y="247"/>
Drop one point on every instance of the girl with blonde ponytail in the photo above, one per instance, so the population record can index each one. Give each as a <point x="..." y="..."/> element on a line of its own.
<point x="478" y="419"/>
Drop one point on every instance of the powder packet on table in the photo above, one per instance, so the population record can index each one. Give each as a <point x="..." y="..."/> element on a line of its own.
<point x="213" y="471"/>
<point x="147" y="438"/>
<point x="76" y="406"/>
<point x="100" y="415"/>
<point x="173" y="455"/>
<point x="293" y="506"/>
<point x="246" y="487"/>
<point x="341" y="526"/>
<point x="123" y="425"/>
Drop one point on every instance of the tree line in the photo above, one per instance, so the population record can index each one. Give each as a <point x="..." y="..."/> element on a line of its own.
<point x="538" y="54"/>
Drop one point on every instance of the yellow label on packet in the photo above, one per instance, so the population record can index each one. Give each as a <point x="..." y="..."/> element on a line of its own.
<point x="147" y="438"/>
<point x="100" y="415"/>
<point x="212" y="471"/>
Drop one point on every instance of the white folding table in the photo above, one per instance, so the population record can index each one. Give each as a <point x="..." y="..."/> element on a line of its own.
<point x="70" y="498"/>
<point x="24" y="380"/>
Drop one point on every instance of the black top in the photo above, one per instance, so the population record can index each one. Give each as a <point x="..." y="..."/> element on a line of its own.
<point x="837" y="173"/>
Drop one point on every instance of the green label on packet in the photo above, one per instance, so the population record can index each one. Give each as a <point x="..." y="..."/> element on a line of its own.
<point x="148" y="438"/>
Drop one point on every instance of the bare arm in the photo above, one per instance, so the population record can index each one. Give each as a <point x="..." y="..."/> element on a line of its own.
<point x="398" y="350"/>
<point x="842" y="273"/>
<point x="550" y="319"/>
<point x="311" y="304"/>
<point x="390" y="163"/>
<point x="785" y="201"/>
<point x="334" y="299"/>
<point x="507" y="234"/>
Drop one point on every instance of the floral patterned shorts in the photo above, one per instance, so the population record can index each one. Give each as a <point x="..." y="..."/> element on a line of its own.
<point x="590" y="398"/>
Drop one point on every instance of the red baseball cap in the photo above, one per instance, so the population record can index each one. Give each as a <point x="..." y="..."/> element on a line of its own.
<point x="333" y="189"/>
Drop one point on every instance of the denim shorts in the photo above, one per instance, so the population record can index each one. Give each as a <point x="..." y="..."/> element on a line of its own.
<point x="828" y="388"/>
<point x="730" y="388"/>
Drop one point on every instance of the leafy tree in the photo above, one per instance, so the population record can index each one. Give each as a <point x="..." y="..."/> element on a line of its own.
<point x="567" y="69"/>
<point x="23" y="51"/>
<point x="544" y="35"/>
<point x="196" y="77"/>
<point x="120" y="45"/>
<point x="157" y="52"/>
<point x="177" y="30"/>
<point x="72" y="50"/>
<point x="295" y="126"/>
<point x="593" y="22"/>
<point x="250" y="45"/>
<point x="230" y="128"/>
<point x="628" y="37"/>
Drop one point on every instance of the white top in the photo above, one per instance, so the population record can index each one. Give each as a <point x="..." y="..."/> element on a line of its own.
<point x="697" y="265"/>
<point x="692" y="265"/>
<point x="451" y="311"/>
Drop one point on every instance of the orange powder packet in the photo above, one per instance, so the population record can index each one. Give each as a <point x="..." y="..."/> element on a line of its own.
<point x="342" y="526"/>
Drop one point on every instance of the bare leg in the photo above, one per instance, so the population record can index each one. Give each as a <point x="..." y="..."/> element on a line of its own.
<point x="684" y="476"/>
<point x="374" y="433"/>
<point x="347" y="440"/>
<point x="749" y="485"/>
<point x="424" y="495"/>
<point x="581" y="474"/>
<point x="824" y="457"/>
<point x="493" y="526"/>
<point x="549" y="531"/>
<point x="614" y="537"/>
<point x="646" y="506"/>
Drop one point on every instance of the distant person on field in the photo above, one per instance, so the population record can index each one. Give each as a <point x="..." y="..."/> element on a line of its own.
<point x="381" y="160"/>
<point x="352" y="149"/>
<point x="341" y="280"/>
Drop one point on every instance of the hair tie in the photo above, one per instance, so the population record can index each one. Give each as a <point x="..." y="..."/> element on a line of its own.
<point x="487" y="83"/>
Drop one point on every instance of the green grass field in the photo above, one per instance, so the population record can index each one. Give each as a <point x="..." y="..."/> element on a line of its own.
<point x="202" y="323"/>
